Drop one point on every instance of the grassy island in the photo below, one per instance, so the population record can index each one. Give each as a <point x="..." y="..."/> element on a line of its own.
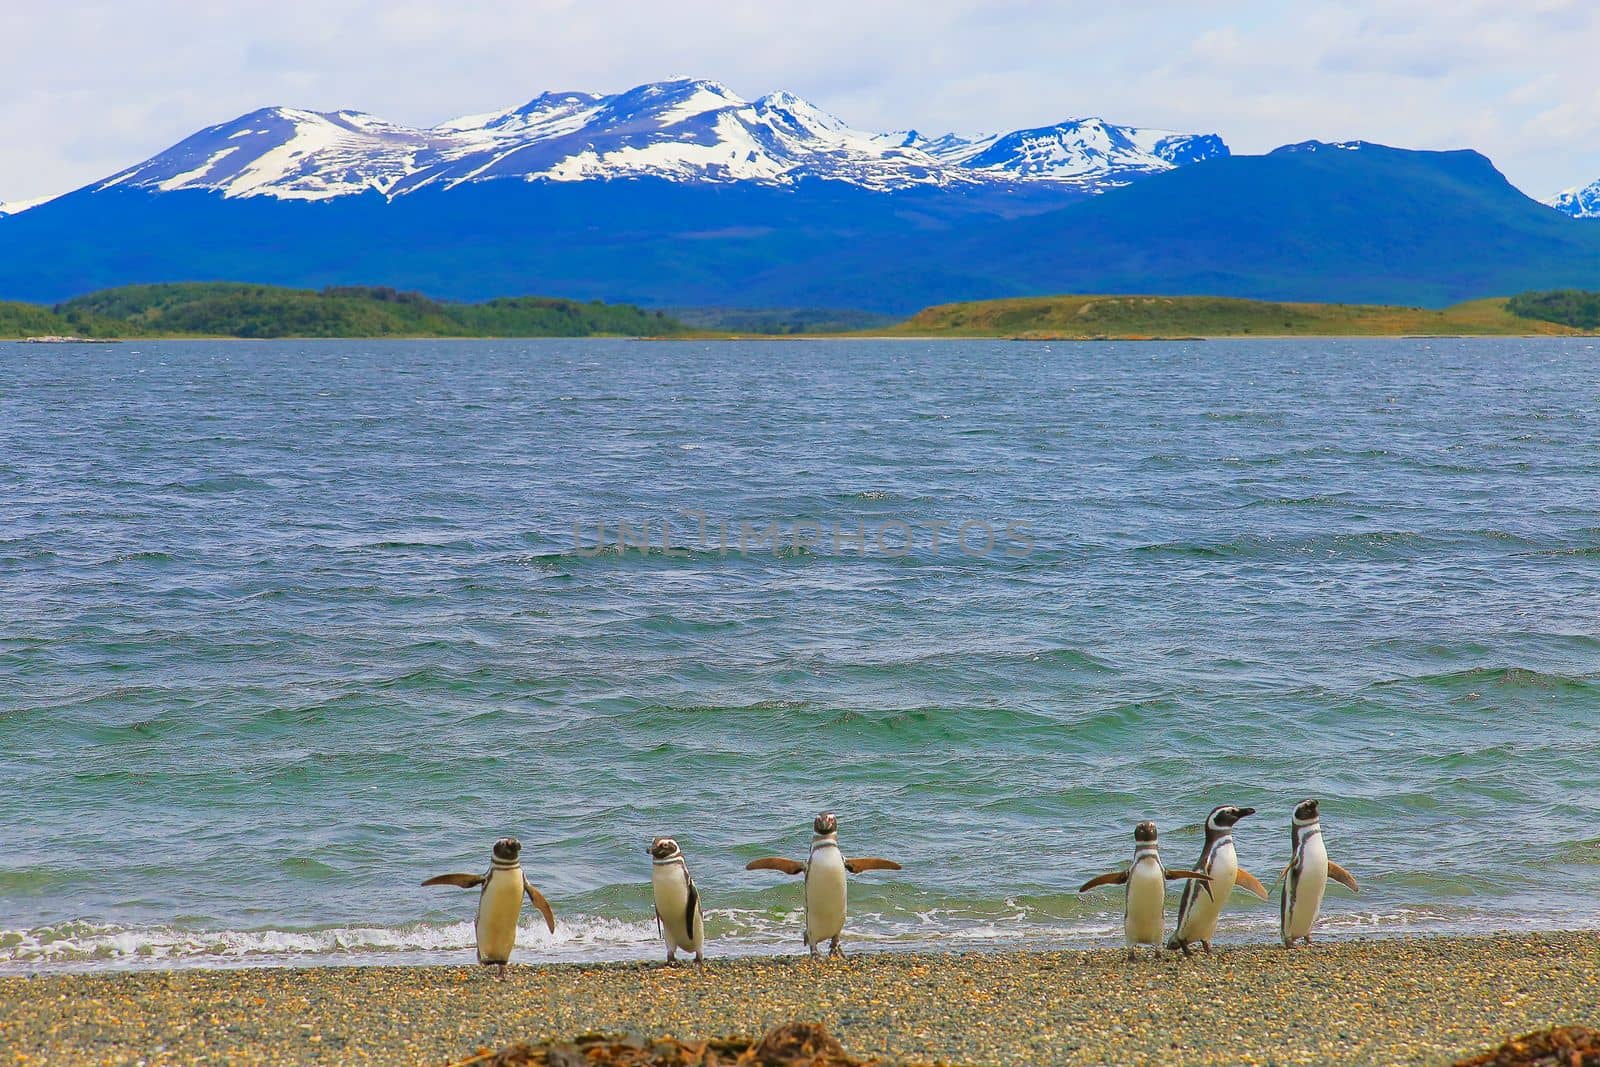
<point x="1076" y="317"/>
<point x="232" y="309"/>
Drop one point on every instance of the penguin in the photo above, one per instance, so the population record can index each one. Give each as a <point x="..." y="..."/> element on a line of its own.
<point x="825" y="891"/>
<point x="1198" y="911"/>
<point x="500" y="902"/>
<point x="1144" y="900"/>
<point x="1306" y="876"/>
<point x="678" y="917"/>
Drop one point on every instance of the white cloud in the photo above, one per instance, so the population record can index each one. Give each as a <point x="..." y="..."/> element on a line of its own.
<point x="88" y="88"/>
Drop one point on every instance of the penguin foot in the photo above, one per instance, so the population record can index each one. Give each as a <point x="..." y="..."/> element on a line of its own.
<point x="1207" y="944"/>
<point x="500" y="971"/>
<point x="699" y="957"/>
<point x="835" y="950"/>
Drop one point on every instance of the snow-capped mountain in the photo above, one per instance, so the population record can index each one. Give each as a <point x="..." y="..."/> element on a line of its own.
<point x="1581" y="201"/>
<point x="286" y="153"/>
<point x="684" y="130"/>
<point x="1090" y="152"/>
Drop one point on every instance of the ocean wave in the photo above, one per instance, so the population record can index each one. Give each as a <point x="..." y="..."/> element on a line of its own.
<point x="996" y="925"/>
<point x="1572" y="551"/>
<point x="1499" y="677"/>
<point x="1351" y="545"/>
<point x="1324" y="500"/>
<point x="81" y="942"/>
<point x="146" y="556"/>
<point x="732" y="932"/>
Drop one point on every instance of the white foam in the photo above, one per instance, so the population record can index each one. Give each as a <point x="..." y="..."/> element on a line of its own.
<point x="82" y="945"/>
<point x="99" y="944"/>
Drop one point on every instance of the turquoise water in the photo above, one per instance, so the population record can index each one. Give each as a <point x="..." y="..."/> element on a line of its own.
<point x="287" y="627"/>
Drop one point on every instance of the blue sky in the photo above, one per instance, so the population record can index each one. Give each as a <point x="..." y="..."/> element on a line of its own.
<point x="88" y="88"/>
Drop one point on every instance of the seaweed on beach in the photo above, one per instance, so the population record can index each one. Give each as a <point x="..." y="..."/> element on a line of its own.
<point x="790" y="1045"/>
<point x="1561" y="1046"/>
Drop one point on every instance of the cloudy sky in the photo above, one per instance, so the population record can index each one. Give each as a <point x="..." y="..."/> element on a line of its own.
<point x="87" y="88"/>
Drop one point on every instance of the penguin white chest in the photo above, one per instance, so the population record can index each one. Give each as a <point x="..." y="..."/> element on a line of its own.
<point x="826" y="895"/>
<point x="498" y="909"/>
<point x="1143" y="917"/>
<point x="1307" y="890"/>
<point x="1200" y="921"/>
<point x="671" y="885"/>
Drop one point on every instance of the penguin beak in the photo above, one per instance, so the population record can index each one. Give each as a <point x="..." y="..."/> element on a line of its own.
<point x="1246" y="811"/>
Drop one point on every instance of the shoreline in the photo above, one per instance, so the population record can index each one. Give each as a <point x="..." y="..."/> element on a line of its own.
<point x="691" y="338"/>
<point x="1424" y="1000"/>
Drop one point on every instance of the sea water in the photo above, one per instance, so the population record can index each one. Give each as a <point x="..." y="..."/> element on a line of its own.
<point x="287" y="627"/>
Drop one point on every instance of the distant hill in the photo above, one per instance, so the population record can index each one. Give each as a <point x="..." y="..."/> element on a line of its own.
<point x="1202" y="316"/>
<point x="644" y="241"/>
<point x="1359" y="223"/>
<point x="228" y="309"/>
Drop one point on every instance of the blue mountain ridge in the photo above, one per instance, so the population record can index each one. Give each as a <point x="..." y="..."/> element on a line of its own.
<point x="1352" y="222"/>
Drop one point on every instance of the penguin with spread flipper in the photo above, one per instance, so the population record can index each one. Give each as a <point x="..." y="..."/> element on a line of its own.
<point x="826" y="872"/>
<point x="500" y="902"/>
<point x="1144" y="899"/>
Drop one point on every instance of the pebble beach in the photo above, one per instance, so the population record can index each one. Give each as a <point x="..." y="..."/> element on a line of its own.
<point x="1384" y="1001"/>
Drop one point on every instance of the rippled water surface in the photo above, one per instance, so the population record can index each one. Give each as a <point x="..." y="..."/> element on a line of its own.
<point x="286" y="628"/>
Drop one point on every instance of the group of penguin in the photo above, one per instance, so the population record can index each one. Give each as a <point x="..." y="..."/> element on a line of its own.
<point x="826" y="869"/>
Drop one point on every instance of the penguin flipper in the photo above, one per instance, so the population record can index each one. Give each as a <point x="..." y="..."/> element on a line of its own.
<point x="1343" y="877"/>
<point x="1174" y="873"/>
<point x="1245" y="880"/>
<point x="776" y="863"/>
<point x="1110" y="878"/>
<point x="536" y="898"/>
<point x="870" y="863"/>
<point x="691" y="909"/>
<point x="465" y="881"/>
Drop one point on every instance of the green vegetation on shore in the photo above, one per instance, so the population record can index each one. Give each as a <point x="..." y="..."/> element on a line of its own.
<point x="28" y="320"/>
<point x="1050" y="317"/>
<point x="1568" y="307"/>
<point x="230" y="309"/>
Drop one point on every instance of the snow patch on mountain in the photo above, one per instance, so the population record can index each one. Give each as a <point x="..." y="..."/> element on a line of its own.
<point x="1089" y="152"/>
<point x="1581" y="201"/>
<point x="17" y="207"/>
<point x="1323" y="146"/>
<point x="683" y="129"/>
